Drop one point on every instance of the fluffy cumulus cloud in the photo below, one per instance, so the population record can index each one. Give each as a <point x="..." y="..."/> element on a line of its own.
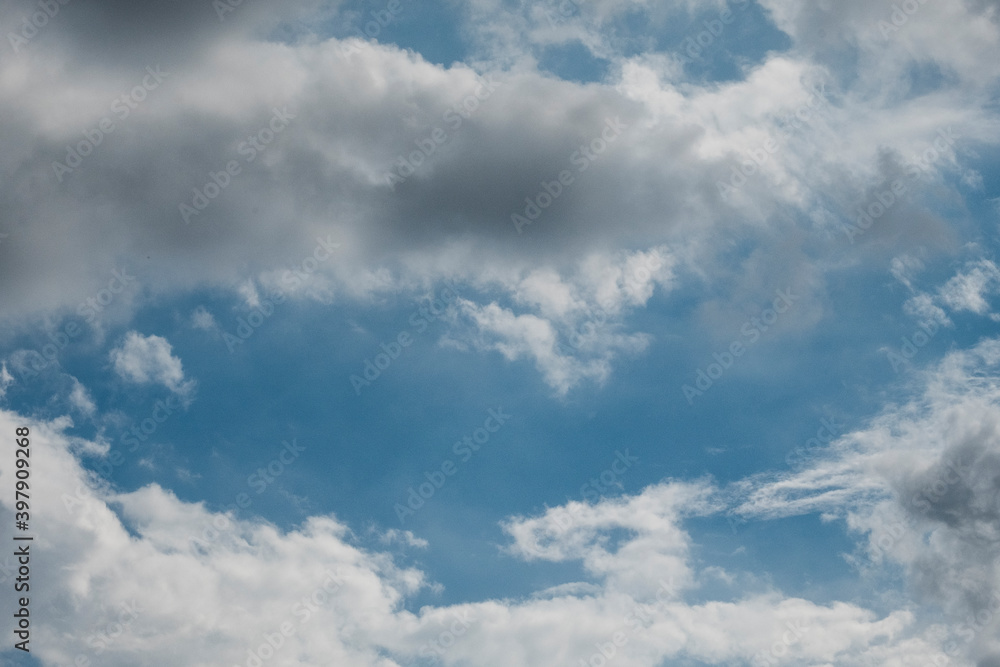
<point x="237" y="151"/>
<point x="969" y="289"/>
<point x="144" y="578"/>
<point x="571" y="328"/>
<point x="205" y="174"/>
<point x="150" y="360"/>
<point x="81" y="399"/>
<point x="202" y="319"/>
<point x="921" y="486"/>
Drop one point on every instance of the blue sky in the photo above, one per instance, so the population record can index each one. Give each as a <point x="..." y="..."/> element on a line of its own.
<point x="513" y="312"/>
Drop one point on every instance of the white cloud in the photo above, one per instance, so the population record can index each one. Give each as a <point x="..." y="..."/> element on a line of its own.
<point x="394" y="535"/>
<point x="251" y="297"/>
<point x="885" y="49"/>
<point x="921" y="484"/>
<point x="150" y="360"/>
<point x="968" y="290"/>
<point x="6" y="380"/>
<point x="204" y="320"/>
<point x="451" y="219"/>
<point x="923" y="307"/>
<point x="205" y="588"/>
<point x="655" y="547"/>
<point x="904" y="268"/>
<point x="570" y="324"/>
<point x="208" y="604"/>
<point x="530" y="336"/>
<point x="81" y="399"/>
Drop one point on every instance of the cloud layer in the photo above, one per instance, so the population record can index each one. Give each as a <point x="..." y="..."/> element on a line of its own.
<point x="304" y="129"/>
<point x="143" y="578"/>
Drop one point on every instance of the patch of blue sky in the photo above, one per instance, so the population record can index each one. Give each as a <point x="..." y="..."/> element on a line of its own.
<point x="291" y="380"/>
<point x="432" y="29"/>
<point x="573" y="62"/>
<point x="720" y="47"/>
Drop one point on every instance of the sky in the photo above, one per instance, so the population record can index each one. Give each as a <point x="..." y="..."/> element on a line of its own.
<point x="500" y="333"/>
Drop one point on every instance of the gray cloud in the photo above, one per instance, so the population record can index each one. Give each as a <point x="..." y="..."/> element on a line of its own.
<point x="356" y="114"/>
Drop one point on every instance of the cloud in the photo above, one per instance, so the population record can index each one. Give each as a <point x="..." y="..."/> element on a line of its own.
<point x="921" y="483"/>
<point x="181" y="585"/>
<point x="204" y="320"/>
<point x="352" y="118"/>
<point x="81" y="399"/>
<point x="570" y="324"/>
<point x="648" y="215"/>
<point x="885" y="40"/>
<point x="151" y="552"/>
<point x="6" y="380"/>
<point x="526" y="335"/>
<point x="394" y="535"/>
<point x="656" y="546"/>
<point x="968" y="290"/>
<point x="149" y="360"/>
